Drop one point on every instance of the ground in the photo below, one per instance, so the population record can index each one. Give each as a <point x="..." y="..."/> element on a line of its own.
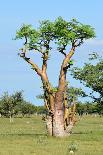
<point x="27" y="136"/>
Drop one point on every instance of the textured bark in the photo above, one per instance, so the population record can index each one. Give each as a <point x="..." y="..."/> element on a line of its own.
<point x="58" y="122"/>
<point x="63" y="121"/>
<point x="48" y="94"/>
<point x="49" y="125"/>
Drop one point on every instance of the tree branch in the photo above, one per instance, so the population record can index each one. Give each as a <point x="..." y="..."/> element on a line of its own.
<point x="26" y="40"/>
<point x="45" y="58"/>
<point x="39" y="50"/>
<point x="68" y="57"/>
<point x="61" y="50"/>
<point x="44" y="65"/>
<point x="79" y="43"/>
<point x="62" y="76"/>
<point x="34" y="66"/>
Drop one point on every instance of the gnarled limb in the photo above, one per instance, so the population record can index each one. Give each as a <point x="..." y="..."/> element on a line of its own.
<point x="34" y="66"/>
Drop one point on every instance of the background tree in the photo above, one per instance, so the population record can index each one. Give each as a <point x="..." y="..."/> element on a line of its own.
<point x="27" y="109"/>
<point x="8" y="104"/>
<point x="91" y="75"/>
<point x="74" y="93"/>
<point x="86" y="108"/>
<point x="62" y="33"/>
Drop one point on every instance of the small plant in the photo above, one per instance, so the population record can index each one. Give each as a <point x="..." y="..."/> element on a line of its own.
<point x="72" y="148"/>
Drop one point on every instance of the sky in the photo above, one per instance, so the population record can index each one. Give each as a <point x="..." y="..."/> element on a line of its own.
<point x="15" y="74"/>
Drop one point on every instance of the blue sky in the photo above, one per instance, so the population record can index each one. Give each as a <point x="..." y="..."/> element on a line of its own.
<point x="15" y="74"/>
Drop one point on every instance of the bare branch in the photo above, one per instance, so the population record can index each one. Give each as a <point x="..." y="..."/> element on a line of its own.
<point x="45" y="58"/>
<point x="44" y="65"/>
<point x="34" y="66"/>
<point x="79" y="43"/>
<point x="26" y="40"/>
<point x="61" y="50"/>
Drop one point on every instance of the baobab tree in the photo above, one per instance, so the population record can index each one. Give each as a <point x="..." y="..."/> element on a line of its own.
<point x="61" y="33"/>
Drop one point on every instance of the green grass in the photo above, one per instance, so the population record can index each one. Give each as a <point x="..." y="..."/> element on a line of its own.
<point x="27" y="136"/>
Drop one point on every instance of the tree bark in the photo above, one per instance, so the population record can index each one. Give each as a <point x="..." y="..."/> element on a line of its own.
<point x="58" y="121"/>
<point x="59" y="128"/>
<point x="49" y="125"/>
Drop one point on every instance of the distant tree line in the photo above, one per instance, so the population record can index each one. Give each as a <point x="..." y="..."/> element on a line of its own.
<point x="15" y="105"/>
<point x="88" y="108"/>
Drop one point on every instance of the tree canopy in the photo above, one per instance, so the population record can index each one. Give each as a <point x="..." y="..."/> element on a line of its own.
<point x="91" y="75"/>
<point x="60" y="31"/>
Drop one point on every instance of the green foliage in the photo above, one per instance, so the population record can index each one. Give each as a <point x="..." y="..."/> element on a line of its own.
<point x="30" y="35"/>
<point x="26" y="108"/>
<point x="73" y="93"/>
<point x="41" y="110"/>
<point x="94" y="56"/>
<point x="25" y="31"/>
<point x="99" y="108"/>
<point x="86" y="108"/>
<point x="71" y="62"/>
<point x="46" y="31"/>
<point x="60" y="31"/>
<point x="8" y="103"/>
<point x="73" y="31"/>
<point x="73" y="147"/>
<point x="15" y="104"/>
<point x="54" y="89"/>
<point x="91" y="75"/>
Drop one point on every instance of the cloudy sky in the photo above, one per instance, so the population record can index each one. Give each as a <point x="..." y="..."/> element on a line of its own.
<point x="15" y="74"/>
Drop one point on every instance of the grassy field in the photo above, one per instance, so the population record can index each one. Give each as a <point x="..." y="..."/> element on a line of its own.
<point x="27" y="136"/>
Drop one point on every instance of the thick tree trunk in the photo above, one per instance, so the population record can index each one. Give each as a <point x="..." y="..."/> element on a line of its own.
<point x="55" y="121"/>
<point x="56" y="124"/>
<point x="58" y="121"/>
